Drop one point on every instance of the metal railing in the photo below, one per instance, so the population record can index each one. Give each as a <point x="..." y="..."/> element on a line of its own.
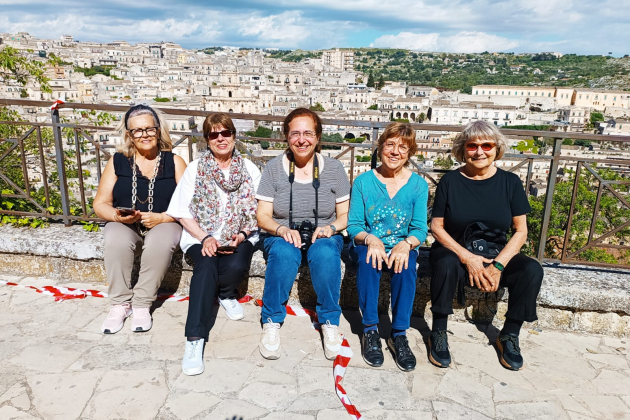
<point x="82" y="133"/>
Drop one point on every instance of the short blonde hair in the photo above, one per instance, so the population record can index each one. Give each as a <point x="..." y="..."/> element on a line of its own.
<point x="478" y="130"/>
<point x="407" y="136"/>
<point x="128" y="147"/>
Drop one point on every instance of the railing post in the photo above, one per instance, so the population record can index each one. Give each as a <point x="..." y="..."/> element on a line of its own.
<point x="551" y="186"/>
<point x="61" y="168"/>
<point x="374" y="138"/>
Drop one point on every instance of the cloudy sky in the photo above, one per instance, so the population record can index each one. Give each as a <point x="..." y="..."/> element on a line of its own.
<point x="568" y="26"/>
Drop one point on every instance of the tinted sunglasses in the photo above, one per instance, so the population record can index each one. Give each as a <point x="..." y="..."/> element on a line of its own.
<point x="486" y="147"/>
<point x="213" y="135"/>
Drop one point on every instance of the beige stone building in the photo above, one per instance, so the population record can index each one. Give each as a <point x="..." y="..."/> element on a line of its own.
<point x="339" y="59"/>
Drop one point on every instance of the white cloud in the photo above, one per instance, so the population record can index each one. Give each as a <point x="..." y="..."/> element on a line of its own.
<point x="285" y="29"/>
<point x="463" y="42"/>
<point x="571" y="26"/>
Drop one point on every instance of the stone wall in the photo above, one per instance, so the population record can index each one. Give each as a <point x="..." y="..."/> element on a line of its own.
<point x="573" y="298"/>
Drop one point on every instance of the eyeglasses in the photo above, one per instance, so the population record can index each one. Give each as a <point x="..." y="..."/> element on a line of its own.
<point x="308" y="135"/>
<point x="213" y="135"/>
<point x="486" y="147"/>
<point x="137" y="133"/>
<point x="402" y="148"/>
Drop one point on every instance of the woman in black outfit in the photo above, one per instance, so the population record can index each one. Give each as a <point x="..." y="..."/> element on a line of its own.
<point x="480" y="192"/>
<point x="141" y="177"/>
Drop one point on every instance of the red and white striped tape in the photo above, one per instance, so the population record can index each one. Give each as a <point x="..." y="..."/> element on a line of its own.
<point x="56" y="104"/>
<point x="67" y="293"/>
<point x="339" y="365"/>
<point x="59" y="293"/>
<point x="339" y="370"/>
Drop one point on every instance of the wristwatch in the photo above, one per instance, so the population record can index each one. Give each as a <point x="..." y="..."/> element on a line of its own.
<point x="498" y="265"/>
<point x="410" y="244"/>
<point x="334" y="229"/>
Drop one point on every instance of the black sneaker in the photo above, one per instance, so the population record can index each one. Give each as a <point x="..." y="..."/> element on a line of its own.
<point x="438" y="349"/>
<point x="403" y="355"/>
<point x="510" y="352"/>
<point x="371" y="348"/>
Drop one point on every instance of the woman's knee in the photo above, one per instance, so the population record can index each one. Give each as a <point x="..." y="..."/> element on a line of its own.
<point x="165" y="235"/>
<point x="533" y="272"/>
<point x="281" y="250"/>
<point x="236" y="268"/>
<point x="324" y="250"/>
<point x="446" y="263"/>
<point x="117" y="235"/>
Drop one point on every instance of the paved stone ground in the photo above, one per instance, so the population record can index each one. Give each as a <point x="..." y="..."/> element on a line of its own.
<point x="57" y="365"/>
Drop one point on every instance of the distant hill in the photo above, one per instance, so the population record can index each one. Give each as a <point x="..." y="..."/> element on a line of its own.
<point x="462" y="71"/>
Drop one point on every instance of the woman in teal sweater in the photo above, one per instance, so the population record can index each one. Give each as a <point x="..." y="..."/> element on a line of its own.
<point x="387" y="222"/>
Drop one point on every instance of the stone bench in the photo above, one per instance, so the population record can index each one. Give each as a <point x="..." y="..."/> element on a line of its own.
<point x="576" y="298"/>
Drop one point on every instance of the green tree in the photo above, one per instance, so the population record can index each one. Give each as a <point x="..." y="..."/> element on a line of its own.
<point x="317" y="107"/>
<point x="422" y="117"/>
<point x="17" y="68"/>
<point x="373" y="107"/>
<point x="370" y="82"/>
<point x="261" y="132"/>
<point x="582" y="142"/>
<point x="443" y="162"/>
<point x="611" y="215"/>
<point x="567" y="142"/>
<point x="381" y="82"/>
<point x="332" y="138"/>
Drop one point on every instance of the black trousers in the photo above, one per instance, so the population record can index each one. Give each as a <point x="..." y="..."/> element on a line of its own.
<point x="522" y="277"/>
<point x="222" y="272"/>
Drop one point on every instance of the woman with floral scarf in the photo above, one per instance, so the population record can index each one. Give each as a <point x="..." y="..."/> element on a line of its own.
<point x="215" y="203"/>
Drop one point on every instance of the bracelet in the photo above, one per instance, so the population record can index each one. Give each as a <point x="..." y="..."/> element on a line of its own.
<point x="365" y="239"/>
<point x="279" y="226"/>
<point x="498" y="265"/>
<point x="244" y="234"/>
<point x="204" y="239"/>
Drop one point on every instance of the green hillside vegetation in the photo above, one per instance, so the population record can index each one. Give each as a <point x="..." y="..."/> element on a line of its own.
<point x="462" y="71"/>
<point x="94" y="70"/>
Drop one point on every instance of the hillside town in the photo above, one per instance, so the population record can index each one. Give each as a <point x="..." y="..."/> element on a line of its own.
<point x="251" y="81"/>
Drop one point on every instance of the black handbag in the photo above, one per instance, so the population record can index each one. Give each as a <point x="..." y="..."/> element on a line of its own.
<point x="480" y="240"/>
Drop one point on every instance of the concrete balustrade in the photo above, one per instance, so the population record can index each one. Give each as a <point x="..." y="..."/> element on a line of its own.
<point x="573" y="298"/>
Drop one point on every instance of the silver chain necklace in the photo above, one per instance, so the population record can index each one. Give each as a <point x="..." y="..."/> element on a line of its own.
<point x="134" y="190"/>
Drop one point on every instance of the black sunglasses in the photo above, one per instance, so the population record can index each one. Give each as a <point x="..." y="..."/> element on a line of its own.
<point x="213" y="135"/>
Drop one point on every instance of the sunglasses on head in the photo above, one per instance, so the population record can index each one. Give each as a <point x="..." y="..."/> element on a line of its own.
<point x="213" y="135"/>
<point x="486" y="147"/>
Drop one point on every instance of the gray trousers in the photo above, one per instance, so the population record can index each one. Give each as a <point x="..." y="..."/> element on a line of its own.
<point x="122" y="245"/>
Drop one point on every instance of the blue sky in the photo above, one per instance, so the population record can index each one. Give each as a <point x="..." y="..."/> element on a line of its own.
<point x="567" y="26"/>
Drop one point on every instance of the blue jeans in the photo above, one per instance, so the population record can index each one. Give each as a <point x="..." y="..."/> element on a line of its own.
<point x="403" y="287"/>
<point x="283" y="262"/>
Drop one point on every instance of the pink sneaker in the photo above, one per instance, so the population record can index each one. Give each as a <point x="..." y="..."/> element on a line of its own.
<point x="142" y="320"/>
<point x="116" y="318"/>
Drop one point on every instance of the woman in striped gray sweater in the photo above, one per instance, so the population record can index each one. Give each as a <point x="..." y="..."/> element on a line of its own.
<point x="303" y="201"/>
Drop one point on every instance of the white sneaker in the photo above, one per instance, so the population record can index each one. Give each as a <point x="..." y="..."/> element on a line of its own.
<point x="233" y="309"/>
<point x="192" y="364"/>
<point x="331" y="340"/>
<point x="270" y="341"/>
<point x="116" y="318"/>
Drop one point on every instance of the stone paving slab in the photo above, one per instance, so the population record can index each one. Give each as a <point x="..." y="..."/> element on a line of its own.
<point x="57" y="365"/>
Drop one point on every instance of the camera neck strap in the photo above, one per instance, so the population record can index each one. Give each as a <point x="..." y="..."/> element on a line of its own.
<point x="315" y="185"/>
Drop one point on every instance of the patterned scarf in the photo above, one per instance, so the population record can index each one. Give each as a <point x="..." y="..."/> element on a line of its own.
<point x="240" y="211"/>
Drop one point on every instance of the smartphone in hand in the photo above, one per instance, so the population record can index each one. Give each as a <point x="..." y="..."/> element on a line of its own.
<point x="226" y="248"/>
<point x="125" y="211"/>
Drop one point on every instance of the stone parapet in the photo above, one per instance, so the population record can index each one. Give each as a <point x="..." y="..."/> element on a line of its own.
<point x="575" y="298"/>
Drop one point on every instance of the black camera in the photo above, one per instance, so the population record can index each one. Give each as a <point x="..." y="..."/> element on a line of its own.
<point x="306" y="230"/>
